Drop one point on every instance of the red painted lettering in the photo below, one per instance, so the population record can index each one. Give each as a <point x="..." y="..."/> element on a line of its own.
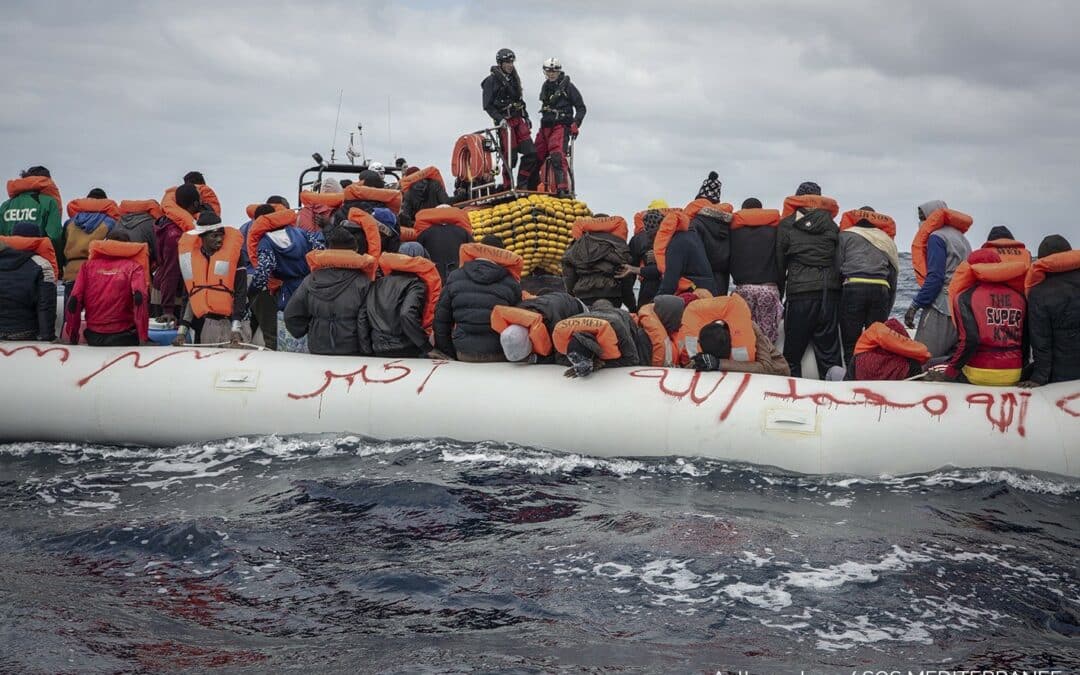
<point x="1009" y="409"/>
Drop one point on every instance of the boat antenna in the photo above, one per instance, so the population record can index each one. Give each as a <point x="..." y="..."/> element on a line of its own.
<point x="333" y="140"/>
<point x="351" y="152"/>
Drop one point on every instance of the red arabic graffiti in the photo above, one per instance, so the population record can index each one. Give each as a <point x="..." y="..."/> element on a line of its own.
<point x="137" y="362"/>
<point x="1066" y="405"/>
<point x="1007" y="405"/>
<point x="363" y="374"/>
<point x="936" y="404"/>
<point x="691" y="389"/>
<point x="40" y="352"/>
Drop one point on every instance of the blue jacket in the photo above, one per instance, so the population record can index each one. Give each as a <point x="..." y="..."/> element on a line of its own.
<point x="285" y="260"/>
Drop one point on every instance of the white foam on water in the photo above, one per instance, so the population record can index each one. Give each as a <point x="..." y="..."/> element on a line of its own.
<point x="765" y="595"/>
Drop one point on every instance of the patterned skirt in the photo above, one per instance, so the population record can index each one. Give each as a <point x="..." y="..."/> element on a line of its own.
<point x="765" y="307"/>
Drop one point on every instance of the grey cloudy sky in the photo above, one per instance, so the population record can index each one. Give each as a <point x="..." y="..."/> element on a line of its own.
<point x="882" y="103"/>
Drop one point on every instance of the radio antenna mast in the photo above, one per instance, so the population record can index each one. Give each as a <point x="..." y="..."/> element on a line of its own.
<point x="333" y="141"/>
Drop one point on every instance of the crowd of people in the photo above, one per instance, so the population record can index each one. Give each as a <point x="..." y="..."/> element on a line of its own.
<point x="365" y="269"/>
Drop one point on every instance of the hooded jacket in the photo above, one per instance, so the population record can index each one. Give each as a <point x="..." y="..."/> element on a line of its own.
<point x="463" y="315"/>
<point x="330" y="307"/>
<point x="553" y="307"/>
<point x="561" y="102"/>
<point x="713" y="225"/>
<point x="590" y="264"/>
<point x="395" y="309"/>
<point x="34" y="199"/>
<point x="426" y="193"/>
<point x="139" y="228"/>
<point x="27" y="296"/>
<point x="106" y="289"/>
<point x="443" y="243"/>
<point x="502" y="95"/>
<point x="806" y="253"/>
<point x="90" y="220"/>
<point x="634" y="343"/>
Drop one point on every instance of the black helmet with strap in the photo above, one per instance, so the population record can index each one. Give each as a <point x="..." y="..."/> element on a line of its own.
<point x="504" y="55"/>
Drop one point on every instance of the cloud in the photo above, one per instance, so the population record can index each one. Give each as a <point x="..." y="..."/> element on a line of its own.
<point x="882" y="103"/>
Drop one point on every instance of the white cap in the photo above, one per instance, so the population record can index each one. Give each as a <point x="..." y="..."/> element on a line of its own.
<point x="515" y="343"/>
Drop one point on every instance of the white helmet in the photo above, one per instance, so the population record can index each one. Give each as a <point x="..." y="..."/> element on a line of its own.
<point x="377" y="167"/>
<point x="552" y="64"/>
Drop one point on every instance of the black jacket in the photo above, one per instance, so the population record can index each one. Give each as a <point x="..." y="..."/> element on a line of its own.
<point x="27" y="297"/>
<point x="640" y="244"/>
<point x="330" y="307"/>
<point x="395" y="310"/>
<point x="443" y="244"/>
<point x="806" y="253"/>
<point x="502" y="95"/>
<point x="590" y="264"/>
<point x="424" y="194"/>
<point x="463" y="315"/>
<point x="561" y="103"/>
<point x="753" y="256"/>
<point x="634" y="343"/>
<point x="554" y="307"/>
<point x="714" y="228"/>
<point x="1054" y="328"/>
<point x="686" y="258"/>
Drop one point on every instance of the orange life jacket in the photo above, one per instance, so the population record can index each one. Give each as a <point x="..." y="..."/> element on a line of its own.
<point x="173" y="212"/>
<point x="1011" y="274"/>
<point x="755" y="218"/>
<point x="694" y="207"/>
<point x="387" y="197"/>
<point x="148" y="206"/>
<point x="136" y="250"/>
<point x="469" y="159"/>
<point x="262" y="226"/>
<point x="934" y="222"/>
<point x="1010" y="250"/>
<point x="425" y="270"/>
<point x="342" y="259"/>
<point x="663" y="348"/>
<point x="503" y="316"/>
<point x="208" y="197"/>
<point x="445" y="215"/>
<point x="639" y="217"/>
<point x="423" y="174"/>
<point x="512" y="262"/>
<point x="252" y="208"/>
<point x="809" y="202"/>
<point x="676" y="221"/>
<point x="878" y="335"/>
<point x="615" y="225"/>
<point x="879" y="220"/>
<point x="210" y="283"/>
<point x="42" y="184"/>
<point x="330" y="199"/>
<point x="41" y="246"/>
<point x="732" y="310"/>
<point x="370" y="228"/>
<point x="598" y="328"/>
<point x="1066" y="261"/>
<point x="91" y="205"/>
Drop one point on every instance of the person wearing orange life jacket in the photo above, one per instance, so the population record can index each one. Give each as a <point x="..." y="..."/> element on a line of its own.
<point x="869" y="267"/>
<point x="719" y="334"/>
<point x="989" y="310"/>
<point x="137" y="218"/>
<point x="1001" y="240"/>
<point x="503" y="101"/>
<point x="598" y="252"/>
<point x="89" y="220"/>
<point x="680" y="257"/>
<point x="422" y="189"/>
<point x="180" y="207"/>
<point x="401" y="305"/>
<point x="603" y="337"/>
<point x="753" y="264"/>
<point x="112" y="288"/>
<point x="34" y="197"/>
<point x="487" y="276"/>
<point x="661" y="320"/>
<point x="207" y="196"/>
<point x="561" y="112"/>
<point x="215" y="281"/>
<point x="711" y="220"/>
<point x="317" y="208"/>
<point x="330" y="306"/>
<point x="1053" y="295"/>
<point x="937" y="250"/>
<point x="441" y="231"/>
<point x="279" y="251"/>
<point x="27" y="285"/>
<point x="525" y="331"/>
<point x="806" y="243"/>
<point x="642" y="256"/>
<point x="885" y="351"/>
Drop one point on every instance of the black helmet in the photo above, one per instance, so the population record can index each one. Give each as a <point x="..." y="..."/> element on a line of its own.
<point x="504" y="55"/>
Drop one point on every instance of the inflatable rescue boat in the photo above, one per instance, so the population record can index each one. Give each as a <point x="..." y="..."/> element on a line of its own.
<point x="171" y="396"/>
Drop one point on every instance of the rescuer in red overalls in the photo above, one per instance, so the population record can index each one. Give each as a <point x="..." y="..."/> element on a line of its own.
<point x="503" y="101"/>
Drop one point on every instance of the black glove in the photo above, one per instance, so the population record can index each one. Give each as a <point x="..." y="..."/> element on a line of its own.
<point x="528" y="122"/>
<point x="705" y="362"/>
<point x="909" y="316"/>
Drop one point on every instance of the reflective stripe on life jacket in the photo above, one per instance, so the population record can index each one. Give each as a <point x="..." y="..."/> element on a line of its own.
<point x="808" y="203"/>
<point x="332" y="258"/>
<point x="360" y="192"/>
<point x="732" y="310"/>
<point x="601" y="329"/>
<point x="878" y="335"/>
<point x="210" y="283"/>
<point x="755" y="218"/>
<point x="934" y="222"/>
<point x="443" y="215"/>
<point x="1010" y="250"/>
<point x="148" y="206"/>
<point x="91" y="205"/>
<point x="41" y="184"/>
<point x="423" y="269"/>
<point x="41" y="246"/>
<point x="695" y="207"/>
<point x="879" y="220"/>
<point x="137" y="251"/>
<point x="508" y="260"/>
<point x="615" y="225"/>
<point x="663" y="349"/>
<point x="423" y="174"/>
<point x="503" y="316"/>
<point x="676" y="221"/>
<point x="1066" y="261"/>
